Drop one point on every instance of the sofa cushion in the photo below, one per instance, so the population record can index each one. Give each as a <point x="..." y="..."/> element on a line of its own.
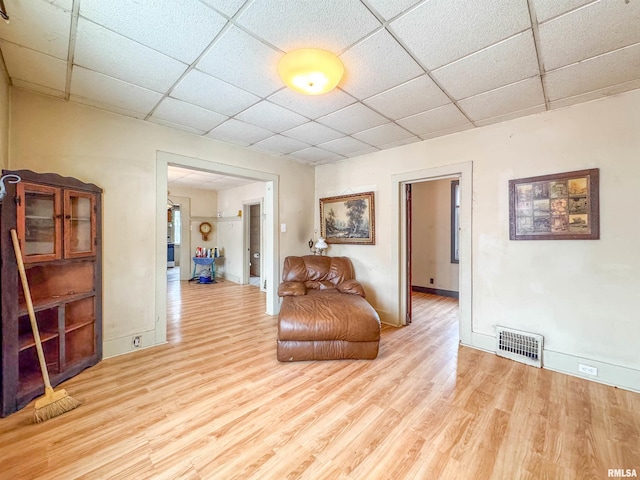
<point x="317" y="268"/>
<point x="328" y="315"/>
<point x="353" y="287"/>
<point x="291" y="289"/>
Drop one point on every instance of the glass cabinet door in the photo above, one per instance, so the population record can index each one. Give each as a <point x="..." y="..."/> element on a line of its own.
<point x="79" y="224"/>
<point x="39" y="226"/>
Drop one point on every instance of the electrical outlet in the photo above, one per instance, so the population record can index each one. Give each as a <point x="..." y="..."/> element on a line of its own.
<point x="589" y="370"/>
<point x="136" y="341"/>
<point x="431" y="281"/>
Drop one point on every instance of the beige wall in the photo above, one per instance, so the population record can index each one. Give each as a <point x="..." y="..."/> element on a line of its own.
<point x="4" y="119"/>
<point x="119" y="154"/>
<point x="581" y="295"/>
<point x="431" y="236"/>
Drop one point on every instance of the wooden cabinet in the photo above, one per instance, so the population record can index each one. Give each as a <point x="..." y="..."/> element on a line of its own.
<point x="59" y="227"/>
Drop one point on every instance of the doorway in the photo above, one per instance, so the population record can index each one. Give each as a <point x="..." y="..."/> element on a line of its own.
<point x="254" y="243"/>
<point x="432" y="240"/>
<point x="269" y="257"/>
<point x="401" y="252"/>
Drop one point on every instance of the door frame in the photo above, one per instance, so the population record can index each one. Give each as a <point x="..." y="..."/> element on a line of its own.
<point x="246" y="212"/>
<point x="399" y="243"/>
<point x="185" y="235"/>
<point x="271" y="259"/>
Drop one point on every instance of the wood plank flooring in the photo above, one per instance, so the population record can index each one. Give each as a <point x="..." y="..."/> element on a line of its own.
<point x="215" y="404"/>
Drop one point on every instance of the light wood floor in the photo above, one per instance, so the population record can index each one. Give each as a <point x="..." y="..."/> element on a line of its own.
<point x="215" y="404"/>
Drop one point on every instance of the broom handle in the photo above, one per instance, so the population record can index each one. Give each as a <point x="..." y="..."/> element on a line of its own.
<point x="32" y="315"/>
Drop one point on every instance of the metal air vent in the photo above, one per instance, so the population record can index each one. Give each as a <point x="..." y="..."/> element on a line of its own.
<point x="520" y="346"/>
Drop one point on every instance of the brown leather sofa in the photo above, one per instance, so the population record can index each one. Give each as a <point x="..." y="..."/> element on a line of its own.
<point x="324" y="315"/>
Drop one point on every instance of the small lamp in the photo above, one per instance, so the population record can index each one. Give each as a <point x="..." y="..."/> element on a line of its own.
<point x="321" y="246"/>
<point x="310" y="71"/>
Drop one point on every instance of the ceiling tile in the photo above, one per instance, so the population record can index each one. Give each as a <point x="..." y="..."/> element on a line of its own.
<point x="400" y="143"/>
<point x="181" y="31"/>
<point x="511" y="115"/>
<point x="352" y="119"/>
<point x="177" y="126"/>
<point x="271" y="116"/>
<point x="364" y="151"/>
<point x="37" y="88"/>
<point x="313" y="133"/>
<point x="504" y="63"/>
<point x="389" y="9"/>
<point x="595" y="29"/>
<point x="613" y="68"/>
<point x="208" y="92"/>
<point x="315" y="154"/>
<point x="512" y="98"/>
<point x="239" y="133"/>
<point x="312" y="106"/>
<point x="344" y="145"/>
<point x="596" y="94"/>
<point x="329" y="24"/>
<point x="106" y="52"/>
<point x="95" y="86"/>
<point x="226" y="7"/>
<point x="377" y="64"/>
<point x="383" y="134"/>
<point x="447" y="131"/>
<point x="34" y="67"/>
<point x="280" y="144"/>
<point x="186" y="114"/>
<point x="412" y="97"/>
<point x="440" y="118"/>
<point x="107" y="106"/>
<point x="241" y="60"/>
<point x="39" y="25"/>
<point x="459" y="28"/>
<point x="547" y="9"/>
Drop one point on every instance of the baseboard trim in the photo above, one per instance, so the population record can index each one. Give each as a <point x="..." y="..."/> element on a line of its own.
<point x="232" y="278"/>
<point x="435" y="291"/>
<point x="124" y="345"/>
<point x="608" y="374"/>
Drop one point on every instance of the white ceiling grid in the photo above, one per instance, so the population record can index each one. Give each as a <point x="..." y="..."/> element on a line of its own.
<point x="415" y="69"/>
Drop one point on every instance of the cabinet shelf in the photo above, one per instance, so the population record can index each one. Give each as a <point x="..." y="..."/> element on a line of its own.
<point x="50" y="302"/>
<point x="27" y="340"/>
<point x="78" y="325"/>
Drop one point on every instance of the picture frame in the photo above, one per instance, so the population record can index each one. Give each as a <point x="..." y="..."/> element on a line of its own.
<point x="561" y="206"/>
<point x="348" y="219"/>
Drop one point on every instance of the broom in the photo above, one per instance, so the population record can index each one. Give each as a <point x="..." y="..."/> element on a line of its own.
<point x="53" y="403"/>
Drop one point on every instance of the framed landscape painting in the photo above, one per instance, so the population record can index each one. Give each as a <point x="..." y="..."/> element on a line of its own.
<point x="563" y="206"/>
<point x="348" y="219"/>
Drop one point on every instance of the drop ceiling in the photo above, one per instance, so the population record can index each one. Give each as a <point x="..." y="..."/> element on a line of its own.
<point x="201" y="180"/>
<point x="414" y="69"/>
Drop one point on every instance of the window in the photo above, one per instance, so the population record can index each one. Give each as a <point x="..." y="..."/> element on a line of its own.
<point x="455" y="221"/>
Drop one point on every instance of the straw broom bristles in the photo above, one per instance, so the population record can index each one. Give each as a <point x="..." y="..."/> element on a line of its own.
<point x="54" y="404"/>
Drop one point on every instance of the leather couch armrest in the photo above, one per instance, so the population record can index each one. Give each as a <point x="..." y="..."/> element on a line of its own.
<point x="291" y="289"/>
<point x="353" y="287"/>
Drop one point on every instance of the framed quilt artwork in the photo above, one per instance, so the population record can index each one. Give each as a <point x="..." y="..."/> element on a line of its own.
<point x="562" y="206"/>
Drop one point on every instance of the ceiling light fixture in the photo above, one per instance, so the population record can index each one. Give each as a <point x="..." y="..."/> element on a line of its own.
<point x="310" y="71"/>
